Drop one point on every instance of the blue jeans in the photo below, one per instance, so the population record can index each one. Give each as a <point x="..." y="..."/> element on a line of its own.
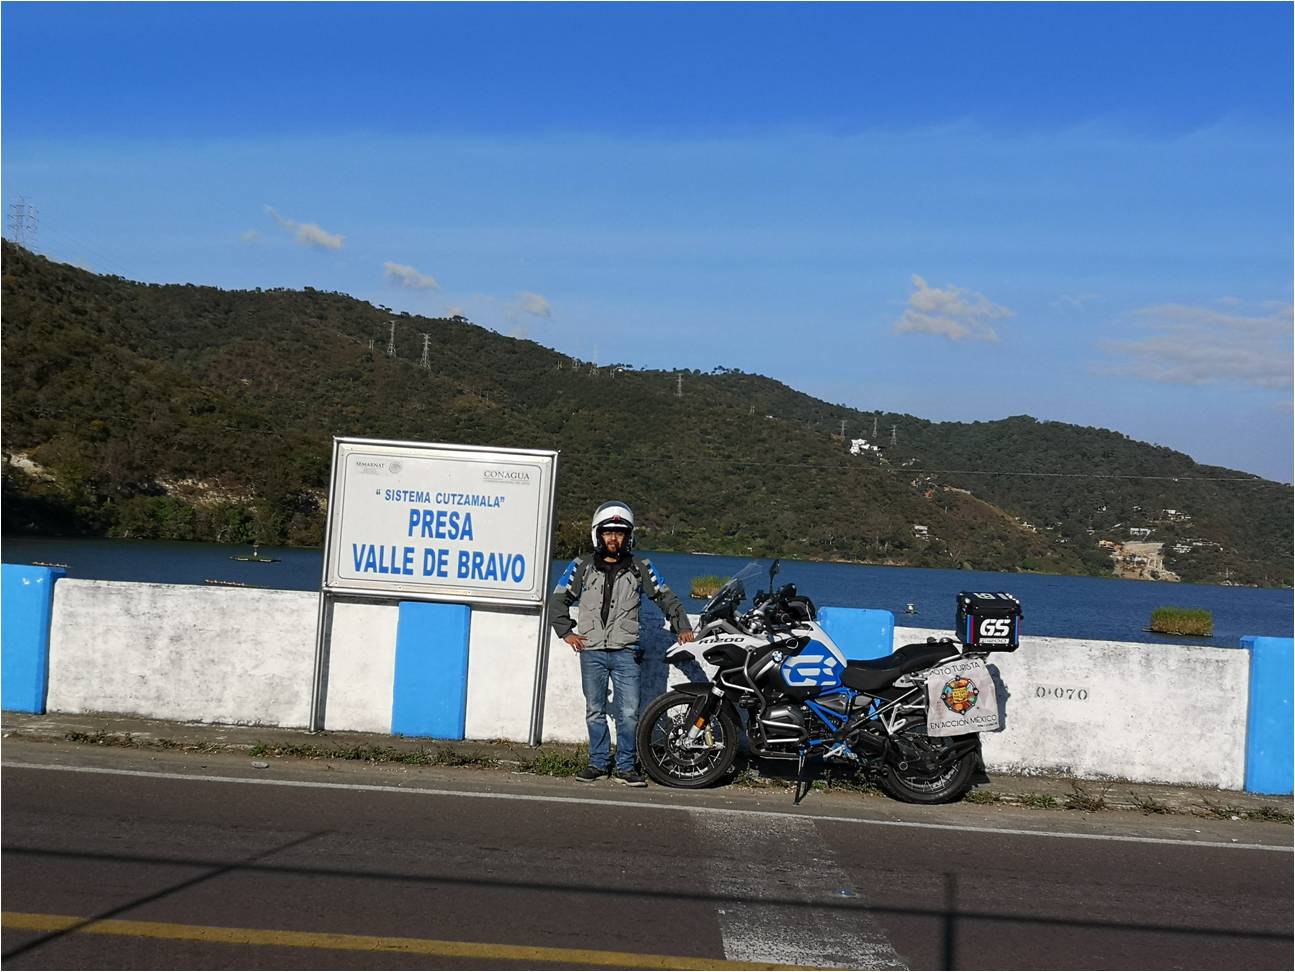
<point x="596" y="667"/>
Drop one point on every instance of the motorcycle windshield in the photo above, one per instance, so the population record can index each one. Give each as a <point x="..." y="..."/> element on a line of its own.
<point x="739" y="589"/>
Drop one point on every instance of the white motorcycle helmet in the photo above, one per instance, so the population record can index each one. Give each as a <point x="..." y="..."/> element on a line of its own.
<point x="613" y="513"/>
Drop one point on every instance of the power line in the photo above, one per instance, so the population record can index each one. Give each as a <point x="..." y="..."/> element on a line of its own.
<point x="922" y="471"/>
<point x="846" y="467"/>
<point x="83" y="255"/>
<point x="569" y="456"/>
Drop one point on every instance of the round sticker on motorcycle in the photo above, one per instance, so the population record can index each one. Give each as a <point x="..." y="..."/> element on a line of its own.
<point x="959" y="695"/>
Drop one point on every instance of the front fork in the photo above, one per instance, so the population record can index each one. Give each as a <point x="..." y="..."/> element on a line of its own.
<point x="700" y="714"/>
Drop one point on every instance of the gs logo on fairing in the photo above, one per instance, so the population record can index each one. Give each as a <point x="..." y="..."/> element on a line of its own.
<point x="959" y="695"/>
<point x="815" y="665"/>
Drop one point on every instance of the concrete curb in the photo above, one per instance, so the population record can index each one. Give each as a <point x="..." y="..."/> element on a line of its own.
<point x="1035" y="792"/>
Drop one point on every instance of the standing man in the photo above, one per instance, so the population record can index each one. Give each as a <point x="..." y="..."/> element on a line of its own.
<point x="608" y="587"/>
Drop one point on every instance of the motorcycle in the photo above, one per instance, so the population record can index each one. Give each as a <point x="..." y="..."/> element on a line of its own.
<point x="784" y="679"/>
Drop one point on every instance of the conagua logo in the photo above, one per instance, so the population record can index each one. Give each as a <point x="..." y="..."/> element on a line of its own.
<point x="959" y="695"/>
<point x="506" y="476"/>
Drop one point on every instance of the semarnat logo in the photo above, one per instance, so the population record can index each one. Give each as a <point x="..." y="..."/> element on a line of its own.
<point x="506" y="476"/>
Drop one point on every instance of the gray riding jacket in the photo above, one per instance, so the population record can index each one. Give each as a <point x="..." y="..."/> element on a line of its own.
<point x="609" y="615"/>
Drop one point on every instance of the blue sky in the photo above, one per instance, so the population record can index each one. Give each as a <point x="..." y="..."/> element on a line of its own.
<point x="1079" y="212"/>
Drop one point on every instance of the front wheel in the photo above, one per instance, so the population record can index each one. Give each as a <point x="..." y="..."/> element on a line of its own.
<point x="926" y="773"/>
<point x="667" y="754"/>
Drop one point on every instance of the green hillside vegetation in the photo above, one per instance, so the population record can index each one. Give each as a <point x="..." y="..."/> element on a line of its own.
<point x="188" y="412"/>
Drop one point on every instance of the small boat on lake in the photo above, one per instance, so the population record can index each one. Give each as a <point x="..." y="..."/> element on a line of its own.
<point x="255" y="557"/>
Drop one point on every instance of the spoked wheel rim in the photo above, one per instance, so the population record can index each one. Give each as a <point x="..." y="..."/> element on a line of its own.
<point x="918" y="776"/>
<point x="666" y="743"/>
<point x="928" y="784"/>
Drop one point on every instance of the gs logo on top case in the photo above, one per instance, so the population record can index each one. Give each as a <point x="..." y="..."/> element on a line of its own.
<point x="995" y="627"/>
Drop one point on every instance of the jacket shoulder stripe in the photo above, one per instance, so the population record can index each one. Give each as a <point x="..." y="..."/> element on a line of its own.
<point x="652" y="572"/>
<point x="569" y="574"/>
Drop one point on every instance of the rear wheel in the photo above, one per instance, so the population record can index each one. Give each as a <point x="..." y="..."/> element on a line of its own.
<point x="925" y="771"/>
<point x="667" y="755"/>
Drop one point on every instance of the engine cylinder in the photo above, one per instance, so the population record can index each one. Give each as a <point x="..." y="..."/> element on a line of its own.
<point x="783" y="723"/>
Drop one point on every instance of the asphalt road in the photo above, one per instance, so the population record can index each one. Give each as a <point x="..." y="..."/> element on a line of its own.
<point x="120" y="859"/>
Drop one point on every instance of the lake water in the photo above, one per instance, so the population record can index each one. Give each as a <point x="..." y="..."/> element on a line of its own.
<point x="1076" y="607"/>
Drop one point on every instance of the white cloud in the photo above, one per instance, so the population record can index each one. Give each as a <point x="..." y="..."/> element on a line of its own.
<point x="531" y="303"/>
<point x="950" y="312"/>
<point x="1196" y="345"/>
<point x="409" y="278"/>
<point x="308" y="234"/>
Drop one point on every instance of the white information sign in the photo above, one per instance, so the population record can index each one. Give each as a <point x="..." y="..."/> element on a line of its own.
<point x="441" y="522"/>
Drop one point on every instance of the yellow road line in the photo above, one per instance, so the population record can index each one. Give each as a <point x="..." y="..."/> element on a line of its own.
<point x="368" y="943"/>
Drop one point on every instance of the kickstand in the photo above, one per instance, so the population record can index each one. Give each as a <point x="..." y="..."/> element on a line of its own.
<point x="801" y="789"/>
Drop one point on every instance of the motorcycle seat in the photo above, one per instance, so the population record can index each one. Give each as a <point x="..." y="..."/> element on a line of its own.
<point x="877" y="673"/>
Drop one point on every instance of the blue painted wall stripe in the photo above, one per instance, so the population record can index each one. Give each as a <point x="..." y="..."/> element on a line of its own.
<point x="860" y="633"/>
<point x="28" y="607"/>
<point x="1270" y="725"/>
<point x="429" y="694"/>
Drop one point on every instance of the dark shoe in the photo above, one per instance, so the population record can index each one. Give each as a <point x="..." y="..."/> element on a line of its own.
<point x="631" y="779"/>
<point x="591" y="774"/>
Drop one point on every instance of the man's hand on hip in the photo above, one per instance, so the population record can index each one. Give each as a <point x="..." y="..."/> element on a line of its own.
<point x="576" y="642"/>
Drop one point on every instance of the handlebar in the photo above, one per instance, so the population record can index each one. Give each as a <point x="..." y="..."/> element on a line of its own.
<point x="771" y="607"/>
<point x="769" y="610"/>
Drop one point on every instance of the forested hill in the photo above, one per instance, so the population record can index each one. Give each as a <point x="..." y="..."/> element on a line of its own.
<point x="187" y="412"/>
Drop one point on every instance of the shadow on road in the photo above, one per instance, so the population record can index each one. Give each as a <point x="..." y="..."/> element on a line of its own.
<point x="950" y="916"/>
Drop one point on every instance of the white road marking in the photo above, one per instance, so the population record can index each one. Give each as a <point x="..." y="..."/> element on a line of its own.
<point x="646" y="805"/>
<point x="768" y="911"/>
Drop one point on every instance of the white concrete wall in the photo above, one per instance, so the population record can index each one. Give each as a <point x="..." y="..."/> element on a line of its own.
<point x="245" y="656"/>
<point x="501" y="670"/>
<point x="361" y="665"/>
<point x="186" y="653"/>
<point x="564" y="700"/>
<point x="1151" y="713"/>
<point x="501" y="673"/>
